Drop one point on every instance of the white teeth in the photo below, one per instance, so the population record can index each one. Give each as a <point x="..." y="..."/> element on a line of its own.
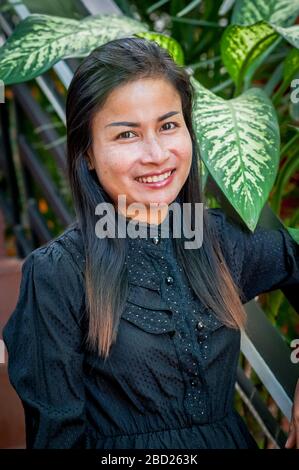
<point x="154" y="179"/>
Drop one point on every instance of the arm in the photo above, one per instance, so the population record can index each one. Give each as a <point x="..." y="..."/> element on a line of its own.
<point x="262" y="261"/>
<point x="43" y="339"/>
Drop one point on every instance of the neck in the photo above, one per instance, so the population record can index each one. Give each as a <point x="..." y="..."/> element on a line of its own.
<point x="153" y="216"/>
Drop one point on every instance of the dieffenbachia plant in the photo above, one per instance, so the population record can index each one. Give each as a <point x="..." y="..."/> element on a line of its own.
<point x="239" y="138"/>
<point x="40" y="41"/>
<point x="239" y="141"/>
<point x="257" y="27"/>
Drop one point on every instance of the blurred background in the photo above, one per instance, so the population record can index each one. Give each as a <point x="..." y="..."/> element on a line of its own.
<point x="229" y="47"/>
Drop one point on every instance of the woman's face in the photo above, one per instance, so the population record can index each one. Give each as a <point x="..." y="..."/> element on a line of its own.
<point x="139" y="133"/>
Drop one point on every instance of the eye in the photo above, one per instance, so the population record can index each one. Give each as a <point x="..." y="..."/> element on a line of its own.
<point x="122" y="134"/>
<point x="174" y="123"/>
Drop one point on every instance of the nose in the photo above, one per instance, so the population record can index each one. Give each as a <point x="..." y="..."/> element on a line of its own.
<point x="154" y="152"/>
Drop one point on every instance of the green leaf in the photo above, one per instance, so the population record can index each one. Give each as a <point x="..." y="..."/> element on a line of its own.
<point x="279" y="12"/>
<point x="204" y="174"/>
<point x="166" y="42"/>
<point x="239" y="142"/>
<point x="290" y="34"/>
<point x="291" y="65"/>
<point x="242" y="46"/>
<point x="40" y="41"/>
<point x="294" y="232"/>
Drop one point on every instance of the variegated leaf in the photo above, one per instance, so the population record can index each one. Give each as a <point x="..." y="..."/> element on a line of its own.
<point x="290" y="34"/>
<point x="204" y="174"/>
<point x="239" y="142"/>
<point x="39" y="41"/>
<point x="166" y="42"/>
<point x="279" y="12"/>
<point x="242" y="46"/>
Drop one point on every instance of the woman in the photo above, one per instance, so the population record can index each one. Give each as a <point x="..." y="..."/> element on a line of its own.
<point x="134" y="342"/>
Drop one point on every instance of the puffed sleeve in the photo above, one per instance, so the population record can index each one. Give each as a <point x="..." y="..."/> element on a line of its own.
<point x="260" y="261"/>
<point x="43" y="338"/>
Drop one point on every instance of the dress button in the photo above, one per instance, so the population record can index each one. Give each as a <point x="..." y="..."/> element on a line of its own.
<point x="156" y="240"/>
<point x="169" y="280"/>
<point x="194" y="382"/>
<point x="200" y="325"/>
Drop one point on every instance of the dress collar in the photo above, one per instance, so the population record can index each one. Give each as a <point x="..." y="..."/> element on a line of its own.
<point x="151" y="237"/>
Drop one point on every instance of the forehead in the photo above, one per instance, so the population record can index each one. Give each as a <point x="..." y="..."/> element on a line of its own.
<point x="142" y="100"/>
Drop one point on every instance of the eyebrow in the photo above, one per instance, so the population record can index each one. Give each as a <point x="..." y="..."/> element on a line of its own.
<point x="137" y="124"/>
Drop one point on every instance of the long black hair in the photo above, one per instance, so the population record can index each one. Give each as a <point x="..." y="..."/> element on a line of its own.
<point x="111" y="65"/>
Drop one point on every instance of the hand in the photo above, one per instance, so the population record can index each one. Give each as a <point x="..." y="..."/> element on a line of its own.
<point x="293" y="437"/>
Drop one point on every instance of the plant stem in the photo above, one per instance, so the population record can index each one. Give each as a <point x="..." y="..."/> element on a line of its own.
<point x="286" y="148"/>
<point x="279" y="93"/>
<point x="194" y="22"/>
<point x="288" y="170"/>
<point x="203" y="63"/>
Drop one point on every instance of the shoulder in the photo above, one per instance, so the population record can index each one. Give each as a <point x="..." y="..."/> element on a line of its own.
<point x="218" y="217"/>
<point x="227" y="229"/>
<point x="231" y="236"/>
<point x="57" y="268"/>
<point x="51" y="297"/>
<point x="223" y="226"/>
<point x="65" y="252"/>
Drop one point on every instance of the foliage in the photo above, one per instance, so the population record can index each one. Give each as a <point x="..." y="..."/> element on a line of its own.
<point x="239" y="135"/>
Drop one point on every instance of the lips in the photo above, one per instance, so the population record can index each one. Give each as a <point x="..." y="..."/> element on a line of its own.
<point x="154" y="183"/>
<point x="154" y="178"/>
<point x="157" y="173"/>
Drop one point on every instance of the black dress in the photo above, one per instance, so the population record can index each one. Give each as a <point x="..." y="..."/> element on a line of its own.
<point x="169" y="382"/>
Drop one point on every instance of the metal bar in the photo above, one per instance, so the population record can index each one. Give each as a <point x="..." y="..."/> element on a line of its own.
<point x="94" y="7"/>
<point x="40" y="175"/>
<point x="23" y="244"/>
<point x="38" y="225"/>
<point x="7" y="209"/>
<point x="9" y="164"/>
<point x="43" y="83"/>
<point x="269" y="355"/>
<point x="258" y="408"/>
<point x="38" y="117"/>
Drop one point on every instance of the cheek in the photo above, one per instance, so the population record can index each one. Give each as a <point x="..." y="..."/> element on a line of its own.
<point x="184" y="150"/>
<point x="114" y="166"/>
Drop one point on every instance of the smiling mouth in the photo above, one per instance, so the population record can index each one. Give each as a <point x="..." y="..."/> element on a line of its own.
<point x="155" y="179"/>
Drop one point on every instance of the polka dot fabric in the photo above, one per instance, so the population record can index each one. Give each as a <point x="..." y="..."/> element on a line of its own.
<point x="169" y="380"/>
